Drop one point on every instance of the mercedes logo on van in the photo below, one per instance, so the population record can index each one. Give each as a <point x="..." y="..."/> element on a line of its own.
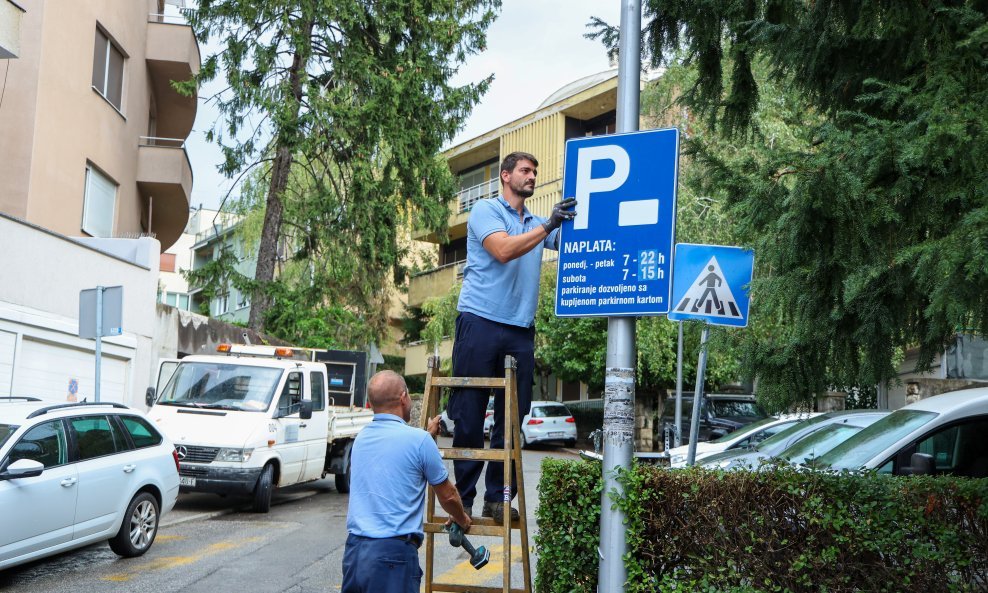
<point x="182" y="452"/>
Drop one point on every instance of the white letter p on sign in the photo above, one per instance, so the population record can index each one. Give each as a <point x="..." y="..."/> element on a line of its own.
<point x="586" y="185"/>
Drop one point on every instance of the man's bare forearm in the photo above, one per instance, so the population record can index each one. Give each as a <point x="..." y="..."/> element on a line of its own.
<point x="449" y="500"/>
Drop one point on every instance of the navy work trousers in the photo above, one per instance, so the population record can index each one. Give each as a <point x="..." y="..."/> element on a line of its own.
<point x="478" y="351"/>
<point x="380" y="566"/>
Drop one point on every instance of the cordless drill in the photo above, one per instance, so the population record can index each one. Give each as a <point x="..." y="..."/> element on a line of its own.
<point x="479" y="557"/>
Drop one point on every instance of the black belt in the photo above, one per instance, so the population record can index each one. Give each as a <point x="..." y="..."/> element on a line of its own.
<point x="409" y="538"/>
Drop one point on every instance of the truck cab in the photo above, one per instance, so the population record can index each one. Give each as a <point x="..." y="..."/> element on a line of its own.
<point x="253" y="419"/>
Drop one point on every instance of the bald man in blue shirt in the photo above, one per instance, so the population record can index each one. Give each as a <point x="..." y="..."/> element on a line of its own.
<point x="497" y="318"/>
<point x="392" y="462"/>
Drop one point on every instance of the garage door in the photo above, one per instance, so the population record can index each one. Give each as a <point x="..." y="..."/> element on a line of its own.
<point x="47" y="370"/>
<point x="7" y="342"/>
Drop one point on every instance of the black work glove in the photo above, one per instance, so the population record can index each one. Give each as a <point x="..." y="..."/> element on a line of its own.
<point x="559" y="214"/>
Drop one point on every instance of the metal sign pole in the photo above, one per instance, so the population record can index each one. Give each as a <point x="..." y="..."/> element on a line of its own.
<point x="99" y="336"/>
<point x="678" y="430"/>
<point x="619" y="379"/>
<point x="701" y="368"/>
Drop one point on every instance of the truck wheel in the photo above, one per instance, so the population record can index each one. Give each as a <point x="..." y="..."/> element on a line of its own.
<point x="263" y="490"/>
<point x="343" y="480"/>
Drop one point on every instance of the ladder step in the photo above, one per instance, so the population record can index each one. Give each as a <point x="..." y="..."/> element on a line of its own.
<point x="453" y="588"/>
<point x="478" y="454"/>
<point x="487" y="521"/>
<point x="475" y="529"/>
<point x="492" y="382"/>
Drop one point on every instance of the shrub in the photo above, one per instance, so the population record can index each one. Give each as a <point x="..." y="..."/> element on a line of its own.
<point x="774" y="531"/>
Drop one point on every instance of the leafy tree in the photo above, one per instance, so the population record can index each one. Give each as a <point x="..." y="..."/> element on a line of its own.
<point x="319" y="102"/>
<point x="870" y="223"/>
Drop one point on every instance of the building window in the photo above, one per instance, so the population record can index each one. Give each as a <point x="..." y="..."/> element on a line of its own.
<point x="108" y="67"/>
<point x="178" y="300"/>
<point x="243" y="301"/>
<point x="167" y="262"/>
<point x="221" y="304"/>
<point x="99" y="203"/>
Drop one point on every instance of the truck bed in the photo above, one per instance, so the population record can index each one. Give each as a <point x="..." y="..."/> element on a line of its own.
<point x="345" y="421"/>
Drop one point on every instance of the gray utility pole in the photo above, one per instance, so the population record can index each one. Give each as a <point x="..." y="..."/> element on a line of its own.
<point x="678" y="431"/>
<point x="619" y="380"/>
<point x="701" y="368"/>
<point x="99" y="337"/>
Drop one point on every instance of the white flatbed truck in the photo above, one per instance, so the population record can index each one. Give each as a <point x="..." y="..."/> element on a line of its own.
<point x="254" y="419"/>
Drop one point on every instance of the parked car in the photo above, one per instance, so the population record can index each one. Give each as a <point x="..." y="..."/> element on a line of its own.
<point x="771" y="447"/>
<point x="944" y="434"/>
<point x="78" y="473"/>
<point x="719" y="415"/>
<point x="548" y="422"/>
<point x="742" y="439"/>
<point x="447" y="426"/>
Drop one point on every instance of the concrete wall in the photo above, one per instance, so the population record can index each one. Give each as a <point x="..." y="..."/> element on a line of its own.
<point x="43" y="273"/>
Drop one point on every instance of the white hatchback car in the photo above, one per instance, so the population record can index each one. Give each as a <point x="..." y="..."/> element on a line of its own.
<point x="548" y="421"/>
<point x="75" y="474"/>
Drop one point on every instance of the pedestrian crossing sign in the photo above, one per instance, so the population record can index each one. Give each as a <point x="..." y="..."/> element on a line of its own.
<point x="710" y="283"/>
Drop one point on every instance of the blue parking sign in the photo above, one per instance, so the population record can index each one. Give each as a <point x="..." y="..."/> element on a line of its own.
<point x="615" y="256"/>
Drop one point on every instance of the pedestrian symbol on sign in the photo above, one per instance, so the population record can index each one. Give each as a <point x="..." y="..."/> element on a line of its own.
<point x="710" y="295"/>
<point x="710" y="283"/>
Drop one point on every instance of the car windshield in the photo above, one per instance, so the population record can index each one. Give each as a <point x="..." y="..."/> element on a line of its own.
<point x="856" y="452"/>
<point x="736" y="409"/>
<point x="221" y="385"/>
<point x="819" y="443"/>
<point x="5" y="431"/>
<point x="750" y="428"/>
<point x="781" y="437"/>
<point x="555" y="411"/>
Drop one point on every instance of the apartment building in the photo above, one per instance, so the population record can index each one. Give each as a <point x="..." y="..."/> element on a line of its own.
<point x="585" y="107"/>
<point x="216" y="235"/>
<point x="92" y="129"/>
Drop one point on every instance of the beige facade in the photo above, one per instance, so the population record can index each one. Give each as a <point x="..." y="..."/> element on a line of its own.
<point x="92" y="131"/>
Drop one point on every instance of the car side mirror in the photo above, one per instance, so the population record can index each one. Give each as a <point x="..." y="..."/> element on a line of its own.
<point x="305" y="409"/>
<point x="22" y="468"/>
<point x="921" y="464"/>
<point x="716" y="434"/>
<point x="149" y="396"/>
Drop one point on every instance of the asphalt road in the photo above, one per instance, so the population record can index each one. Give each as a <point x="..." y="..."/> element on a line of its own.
<point x="213" y="545"/>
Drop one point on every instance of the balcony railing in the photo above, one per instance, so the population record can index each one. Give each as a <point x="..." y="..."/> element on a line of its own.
<point x="167" y="142"/>
<point x="469" y="196"/>
<point x="459" y="265"/>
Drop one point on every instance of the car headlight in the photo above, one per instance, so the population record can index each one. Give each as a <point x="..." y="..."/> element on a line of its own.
<point x="236" y="455"/>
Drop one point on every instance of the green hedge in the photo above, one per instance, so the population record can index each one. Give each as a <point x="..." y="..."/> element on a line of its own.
<point x="771" y="531"/>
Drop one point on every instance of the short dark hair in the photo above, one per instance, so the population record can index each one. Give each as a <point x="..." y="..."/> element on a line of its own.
<point x="510" y="161"/>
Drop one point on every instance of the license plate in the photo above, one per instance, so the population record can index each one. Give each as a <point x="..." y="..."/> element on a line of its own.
<point x="187" y="481"/>
<point x="557" y="434"/>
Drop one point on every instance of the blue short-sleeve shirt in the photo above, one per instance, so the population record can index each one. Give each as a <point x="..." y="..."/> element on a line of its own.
<point x="391" y="463"/>
<point x="505" y="293"/>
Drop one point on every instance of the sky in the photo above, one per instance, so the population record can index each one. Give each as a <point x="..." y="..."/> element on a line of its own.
<point x="533" y="48"/>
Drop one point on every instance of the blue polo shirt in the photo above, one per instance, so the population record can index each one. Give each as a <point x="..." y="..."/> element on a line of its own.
<point x="505" y="293"/>
<point x="391" y="462"/>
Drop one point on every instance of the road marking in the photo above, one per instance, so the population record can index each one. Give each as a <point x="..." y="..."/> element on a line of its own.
<point x="168" y="538"/>
<point x="465" y="574"/>
<point x="169" y="562"/>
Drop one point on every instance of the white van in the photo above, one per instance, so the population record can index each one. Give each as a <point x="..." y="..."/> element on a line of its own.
<point x="941" y="435"/>
<point x="254" y="419"/>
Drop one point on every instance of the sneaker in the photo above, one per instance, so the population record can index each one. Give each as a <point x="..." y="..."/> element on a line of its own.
<point x="496" y="511"/>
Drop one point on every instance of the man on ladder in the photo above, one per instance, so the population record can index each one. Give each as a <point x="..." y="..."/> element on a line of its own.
<point x="497" y="317"/>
